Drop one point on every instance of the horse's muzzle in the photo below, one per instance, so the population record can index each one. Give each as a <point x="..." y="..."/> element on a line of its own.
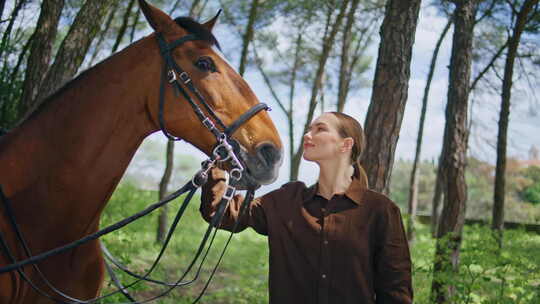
<point x="263" y="165"/>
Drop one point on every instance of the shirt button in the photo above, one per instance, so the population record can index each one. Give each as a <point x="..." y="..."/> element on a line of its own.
<point x="325" y="242"/>
<point x="323" y="276"/>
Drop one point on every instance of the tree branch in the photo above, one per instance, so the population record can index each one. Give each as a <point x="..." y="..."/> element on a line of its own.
<point x="489" y="65"/>
<point x="512" y="7"/>
<point x="258" y="63"/>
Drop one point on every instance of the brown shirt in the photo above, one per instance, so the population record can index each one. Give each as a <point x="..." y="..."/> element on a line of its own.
<point x="349" y="249"/>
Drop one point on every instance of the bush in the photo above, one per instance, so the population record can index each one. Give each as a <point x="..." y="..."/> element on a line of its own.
<point x="532" y="193"/>
<point x="486" y="274"/>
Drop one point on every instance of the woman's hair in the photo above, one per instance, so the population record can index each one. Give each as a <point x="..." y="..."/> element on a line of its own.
<point x="350" y="127"/>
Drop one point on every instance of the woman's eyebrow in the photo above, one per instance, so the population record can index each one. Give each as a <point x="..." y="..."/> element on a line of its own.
<point x="318" y="124"/>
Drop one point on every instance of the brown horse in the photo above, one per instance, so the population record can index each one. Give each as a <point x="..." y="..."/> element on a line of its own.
<point x="60" y="167"/>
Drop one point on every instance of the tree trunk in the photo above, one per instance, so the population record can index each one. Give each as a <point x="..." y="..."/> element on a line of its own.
<point x="163" y="185"/>
<point x="321" y="95"/>
<point x="292" y="92"/>
<point x="248" y="36"/>
<point x="357" y="54"/>
<point x="169" y="164"/>
<point x="437" y="197"/>
<point x="413" y="190"/>
<point x="455" y="152"/>
<point x="103" y="33"/>
<point x="2" y="5"/>
<point x="327" y="44"/>
<point x="345" y="68"/>
<point x="390" y="86"/>
<point x="288" y="111"/>
<point x="123" y="27"/>
<point x="174" y="7"/>
<point x="134" y="25"/>
<point x="500" y="171"/>
<point x="40" y="51"/>
<point x="74" y="47"/>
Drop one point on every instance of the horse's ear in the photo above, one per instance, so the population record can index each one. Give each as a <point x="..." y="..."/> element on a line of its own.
<point x="158" y="20"/>
<point x="210" y="23"/>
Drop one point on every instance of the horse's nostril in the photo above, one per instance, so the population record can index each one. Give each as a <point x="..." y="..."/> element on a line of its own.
<point x="269" y="153"/>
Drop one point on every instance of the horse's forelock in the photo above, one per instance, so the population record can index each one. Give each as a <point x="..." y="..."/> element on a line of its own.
<point x="197" y="29"/>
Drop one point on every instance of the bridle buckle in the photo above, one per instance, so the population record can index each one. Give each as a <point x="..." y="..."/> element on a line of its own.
<point x="229" y="193"/>
<point x="172" y="76"/>
<point x="184" y="77"/>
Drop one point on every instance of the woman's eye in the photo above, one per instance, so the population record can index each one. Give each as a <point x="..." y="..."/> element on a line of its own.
<point x="206" y="64"/>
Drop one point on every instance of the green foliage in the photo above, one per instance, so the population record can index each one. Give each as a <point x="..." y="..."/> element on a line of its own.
<point x="532" y="193"/>
<point x="533" y="172"/>
<point x="10" y="92"/>
<point x="400" y="184"/>
<point x="11" y="76"/>
<point x="479" y="177"/>
<point x="485" y="274"/>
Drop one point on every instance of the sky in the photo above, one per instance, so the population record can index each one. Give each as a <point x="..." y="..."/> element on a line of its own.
<point x="523" y="131"/>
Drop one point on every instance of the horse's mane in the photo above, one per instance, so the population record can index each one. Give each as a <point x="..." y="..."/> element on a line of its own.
<point x="194" y="27"/>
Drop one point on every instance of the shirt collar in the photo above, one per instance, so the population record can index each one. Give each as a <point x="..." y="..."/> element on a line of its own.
<point x="355" y="191"/>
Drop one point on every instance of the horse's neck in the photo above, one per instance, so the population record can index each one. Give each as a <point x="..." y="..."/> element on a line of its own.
<point x="70" y="156"/>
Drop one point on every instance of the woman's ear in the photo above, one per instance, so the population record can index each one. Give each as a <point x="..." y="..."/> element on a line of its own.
<point x="347" y="144"/>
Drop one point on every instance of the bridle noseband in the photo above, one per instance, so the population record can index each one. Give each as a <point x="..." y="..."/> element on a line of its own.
<point x="227" y="148"/>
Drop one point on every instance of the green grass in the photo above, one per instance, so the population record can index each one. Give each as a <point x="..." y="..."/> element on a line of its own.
<point x="484" y="276"/>
<point x="240" y="278"/>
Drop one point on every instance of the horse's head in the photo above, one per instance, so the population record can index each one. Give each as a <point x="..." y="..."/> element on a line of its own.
<point x="224" y="90"/>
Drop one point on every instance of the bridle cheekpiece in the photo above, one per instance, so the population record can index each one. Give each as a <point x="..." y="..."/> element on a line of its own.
<point x="227" y="148"/>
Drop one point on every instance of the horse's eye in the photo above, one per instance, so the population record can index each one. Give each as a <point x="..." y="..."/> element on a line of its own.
<point x="205" y="64"/>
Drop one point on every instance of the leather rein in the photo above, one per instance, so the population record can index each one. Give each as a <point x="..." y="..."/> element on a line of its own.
<point x="226" y="149"/>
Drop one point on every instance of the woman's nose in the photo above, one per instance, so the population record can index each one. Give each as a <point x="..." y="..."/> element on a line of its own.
<point x="307" y="135"/>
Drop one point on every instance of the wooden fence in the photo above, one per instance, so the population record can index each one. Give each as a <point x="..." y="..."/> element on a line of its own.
<point x="534" y="228"/>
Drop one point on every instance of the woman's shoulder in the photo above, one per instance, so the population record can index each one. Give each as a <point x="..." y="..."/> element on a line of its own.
<point x="293" y="187"/>
<point x="379" y="201"/>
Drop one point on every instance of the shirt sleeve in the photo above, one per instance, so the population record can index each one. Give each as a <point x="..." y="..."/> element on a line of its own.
<point x="212" y="193"/>
<point x="393" y="283"/>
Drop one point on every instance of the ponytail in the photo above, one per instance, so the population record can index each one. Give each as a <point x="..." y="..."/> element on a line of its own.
<point x="360" y="174"/>
<point x="350" y="127"/>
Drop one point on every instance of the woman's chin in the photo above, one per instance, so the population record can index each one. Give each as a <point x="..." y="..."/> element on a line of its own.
<point x="309" y="157"/>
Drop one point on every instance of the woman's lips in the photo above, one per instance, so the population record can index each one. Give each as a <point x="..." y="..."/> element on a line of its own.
<point x="308" y="145"/>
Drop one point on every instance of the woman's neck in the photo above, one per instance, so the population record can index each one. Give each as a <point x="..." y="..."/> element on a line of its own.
<point x="334" y="177"/>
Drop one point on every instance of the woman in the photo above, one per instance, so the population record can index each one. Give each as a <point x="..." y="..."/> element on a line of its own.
<point x="334" y="242"/>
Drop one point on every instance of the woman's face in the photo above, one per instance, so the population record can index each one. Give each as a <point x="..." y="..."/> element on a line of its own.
<point x="322" y="141"/>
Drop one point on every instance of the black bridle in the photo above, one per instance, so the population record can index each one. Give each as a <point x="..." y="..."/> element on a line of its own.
<point x="226" y="149"/>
